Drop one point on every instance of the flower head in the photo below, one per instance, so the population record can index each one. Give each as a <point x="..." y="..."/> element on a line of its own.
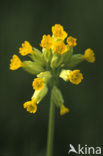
<point x="71" y="41"/>
<point x="60" y="47"/>
<point x="31" y="106"/>
<point x="63" y="110"/>
<point x="38" y="84"/>
<point x="54" y="61"/>
<point x="15" y="62"/>
<point x="75" y="77"/>
<point x="89" y="55"/>
<point x="58" y="32"/>
<point x="26" y="49"/>
<point x="47" y="42"/>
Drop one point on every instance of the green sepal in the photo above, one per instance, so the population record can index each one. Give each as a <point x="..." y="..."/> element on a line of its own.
<point x="32" y="67"/>
<point x="74" y="60"/>
<point x="56" y="61"/>
<point x="46" y="76"/>
<point x="67" y="56"/>
<point x="47" y="55"/>
<point x="61" y="59"/>
<point x="37" y="50"/>
<point x="64" y="74"/>
<point x="40" y="94"/>
<point x="57" y="96"/>
<point x="37" y="57"/>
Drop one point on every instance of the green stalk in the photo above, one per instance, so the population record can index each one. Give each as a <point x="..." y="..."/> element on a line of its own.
<point x="51" y="127"/>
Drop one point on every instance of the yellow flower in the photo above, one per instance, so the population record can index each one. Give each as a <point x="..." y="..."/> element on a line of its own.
<point x="38" y="84"/>
<point x="15" y="62"/>
<point x="26" y="49"/>
<point x="71" y="41"/>
<point x="58" y="32"/>
<point x="63" y="110"/>
<point x="47" y="42"/>
<point x="89" y="55"/>
<point x="75" y="77"/>
<point x="60" y="47"/>
<point x="31" y="106"/>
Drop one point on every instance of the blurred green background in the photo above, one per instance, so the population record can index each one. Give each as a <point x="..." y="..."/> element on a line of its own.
<point x="24" y="134"/>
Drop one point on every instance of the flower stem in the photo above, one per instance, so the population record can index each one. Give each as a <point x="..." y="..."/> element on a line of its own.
<point x="51" y="127"/>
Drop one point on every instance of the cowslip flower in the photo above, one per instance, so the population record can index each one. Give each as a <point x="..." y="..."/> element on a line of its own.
<point x="63" y="110"/>
<point x="15" y="62"/>
<point x="59" y="47"/>
<point x="31" y="106"/>
<point x="25" y="49"/>
<point x="74" y="76"/>
<point x="58" y="32"/>
<point x="89" y="55"/>
<point x="38" y="84"/>
<point x="53" y="62"/>
<point x="47" y="42"/>
<point x="71" y="41"/>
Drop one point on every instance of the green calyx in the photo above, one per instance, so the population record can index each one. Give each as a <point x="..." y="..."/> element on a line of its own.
<point x="47" y="60"/>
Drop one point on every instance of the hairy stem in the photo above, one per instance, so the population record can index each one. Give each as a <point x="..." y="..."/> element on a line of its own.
<point x="51" y="127"/>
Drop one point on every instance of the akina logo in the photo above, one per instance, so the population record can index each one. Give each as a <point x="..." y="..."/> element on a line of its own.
<point x="85" y="150"/>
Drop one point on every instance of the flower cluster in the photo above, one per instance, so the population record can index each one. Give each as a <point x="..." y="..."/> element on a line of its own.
<point x="54" y="61"/>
